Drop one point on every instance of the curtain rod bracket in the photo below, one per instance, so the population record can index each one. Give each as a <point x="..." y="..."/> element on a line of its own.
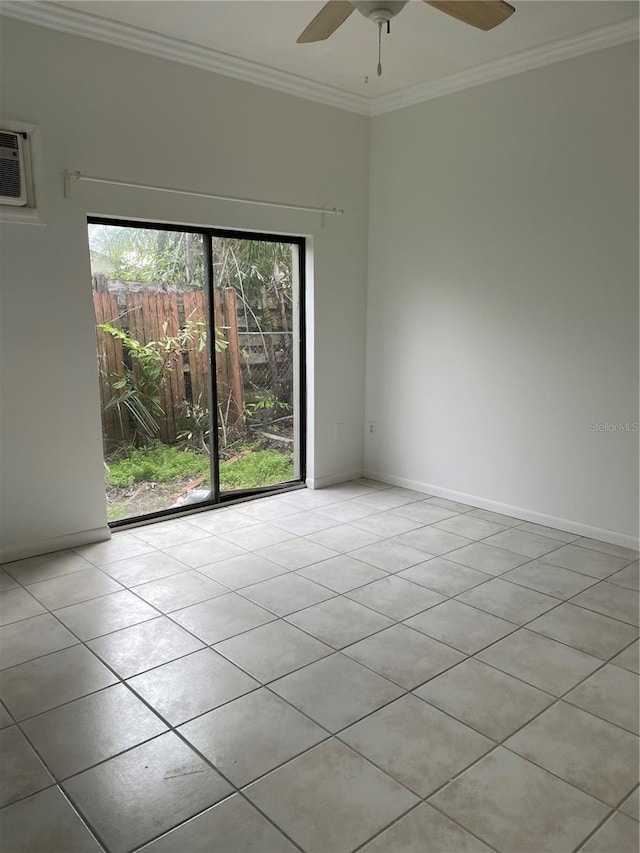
<point x="78" y="176"/>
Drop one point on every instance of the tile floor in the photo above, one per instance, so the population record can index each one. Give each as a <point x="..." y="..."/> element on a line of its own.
<point x="357" y="668"/>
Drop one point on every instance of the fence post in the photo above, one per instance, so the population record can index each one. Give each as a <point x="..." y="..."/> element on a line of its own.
<point x="110" y="358"/>
<point x="236" y="383"/>
<point x="101" y="283"/>
<point x="143" y="316"/>
<point x="197" y="363"/>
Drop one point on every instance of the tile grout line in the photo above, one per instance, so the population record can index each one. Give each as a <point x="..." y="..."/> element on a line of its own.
<point x="284" y="618"/>
<point x="423" y="802"/>
<point x="500" y="743"/>
<point x="279" y="618"/>
<point x="170" y="729"/>
<point x="286" y="762"/>
<point x="496" y="744"/>
<point x="334" y="651"/>
<point x="557" y="700"/>
<point x="616" y="810"/>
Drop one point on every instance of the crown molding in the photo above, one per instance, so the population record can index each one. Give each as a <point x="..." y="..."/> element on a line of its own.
<point x="526" y="60"/>
<point x="164" y="47"/>
<point x="70" y="21"/>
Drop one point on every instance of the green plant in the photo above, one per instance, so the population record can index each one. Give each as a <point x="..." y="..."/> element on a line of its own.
<point x="138" y="390"/>
<point x="144" y="254"/>
<point x="155" y="464"/>
<point x="254" y="412"/>
<point x="195" y="424"/>
<point x="257" y="469"/>
<point x="117" y="510"/>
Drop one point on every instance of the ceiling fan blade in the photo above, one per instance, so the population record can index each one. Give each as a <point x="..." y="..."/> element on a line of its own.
<point x="483" y="14"/>
<point x="332" y="15"/>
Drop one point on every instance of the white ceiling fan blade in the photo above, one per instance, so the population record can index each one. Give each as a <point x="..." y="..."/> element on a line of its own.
<point x="332" y="15"/>
<point x="483" y="14"/>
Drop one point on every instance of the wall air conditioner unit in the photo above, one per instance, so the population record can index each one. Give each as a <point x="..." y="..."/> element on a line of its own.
<point x="13" y="172"/>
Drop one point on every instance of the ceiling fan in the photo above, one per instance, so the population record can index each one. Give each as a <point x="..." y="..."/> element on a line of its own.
<point x="483" y="14"/>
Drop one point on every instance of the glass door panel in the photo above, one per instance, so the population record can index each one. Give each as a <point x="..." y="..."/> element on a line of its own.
<point x="256" y="285"/>
<point x="151" y="309"/>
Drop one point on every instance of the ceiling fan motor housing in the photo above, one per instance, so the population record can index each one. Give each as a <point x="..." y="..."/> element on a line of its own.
<point x="379" y="11"/>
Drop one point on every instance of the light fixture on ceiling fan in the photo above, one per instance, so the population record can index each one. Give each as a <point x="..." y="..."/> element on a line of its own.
<point x="482" y="14"/>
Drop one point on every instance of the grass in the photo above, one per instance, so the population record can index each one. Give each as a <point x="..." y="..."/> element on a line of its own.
<point x="117" y="510"/>
<point x="157" y="464"/>
<point x="261" y="468"/>
<point x="164" y="464"/>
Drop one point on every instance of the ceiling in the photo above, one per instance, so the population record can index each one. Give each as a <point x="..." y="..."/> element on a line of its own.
<point x="424" y="47"/>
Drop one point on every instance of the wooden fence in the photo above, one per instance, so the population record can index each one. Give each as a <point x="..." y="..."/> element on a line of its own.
<point x="144" y="315"/>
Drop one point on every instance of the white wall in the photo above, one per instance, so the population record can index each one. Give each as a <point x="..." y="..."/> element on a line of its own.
<point x="502" y="301"/>
<point x="115" y="113"/>
<point x="503" y="293"/>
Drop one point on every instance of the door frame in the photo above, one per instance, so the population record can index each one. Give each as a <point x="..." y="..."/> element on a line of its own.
<point x="221" y="499"/>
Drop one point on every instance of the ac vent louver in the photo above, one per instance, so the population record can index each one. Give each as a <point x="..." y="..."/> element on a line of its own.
<point x="13" y="185"/>
<point x="8" y="140"/>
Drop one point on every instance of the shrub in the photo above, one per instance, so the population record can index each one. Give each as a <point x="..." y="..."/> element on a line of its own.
<point x="156" y="464"/>
<point x="256" y="469"/>
<point x="163" y="464"/>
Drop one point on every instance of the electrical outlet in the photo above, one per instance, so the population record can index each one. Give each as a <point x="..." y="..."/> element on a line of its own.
<point x="372" y="427"/>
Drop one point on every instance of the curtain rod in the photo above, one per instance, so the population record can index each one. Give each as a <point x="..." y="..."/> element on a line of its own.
<point x="78" y="176"/>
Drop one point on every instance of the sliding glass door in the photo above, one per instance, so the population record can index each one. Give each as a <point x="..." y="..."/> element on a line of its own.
<point x="199" y="343"/>
<point x="256" y="309"/>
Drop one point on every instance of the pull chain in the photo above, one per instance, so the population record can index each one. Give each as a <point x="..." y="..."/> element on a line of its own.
<point x="379" y="48"/>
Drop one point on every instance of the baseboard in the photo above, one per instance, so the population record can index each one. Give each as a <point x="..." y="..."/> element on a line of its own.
<point x="57" y="543"/>
<point x="332" y="479"/>
<point x="588" y="530"/>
